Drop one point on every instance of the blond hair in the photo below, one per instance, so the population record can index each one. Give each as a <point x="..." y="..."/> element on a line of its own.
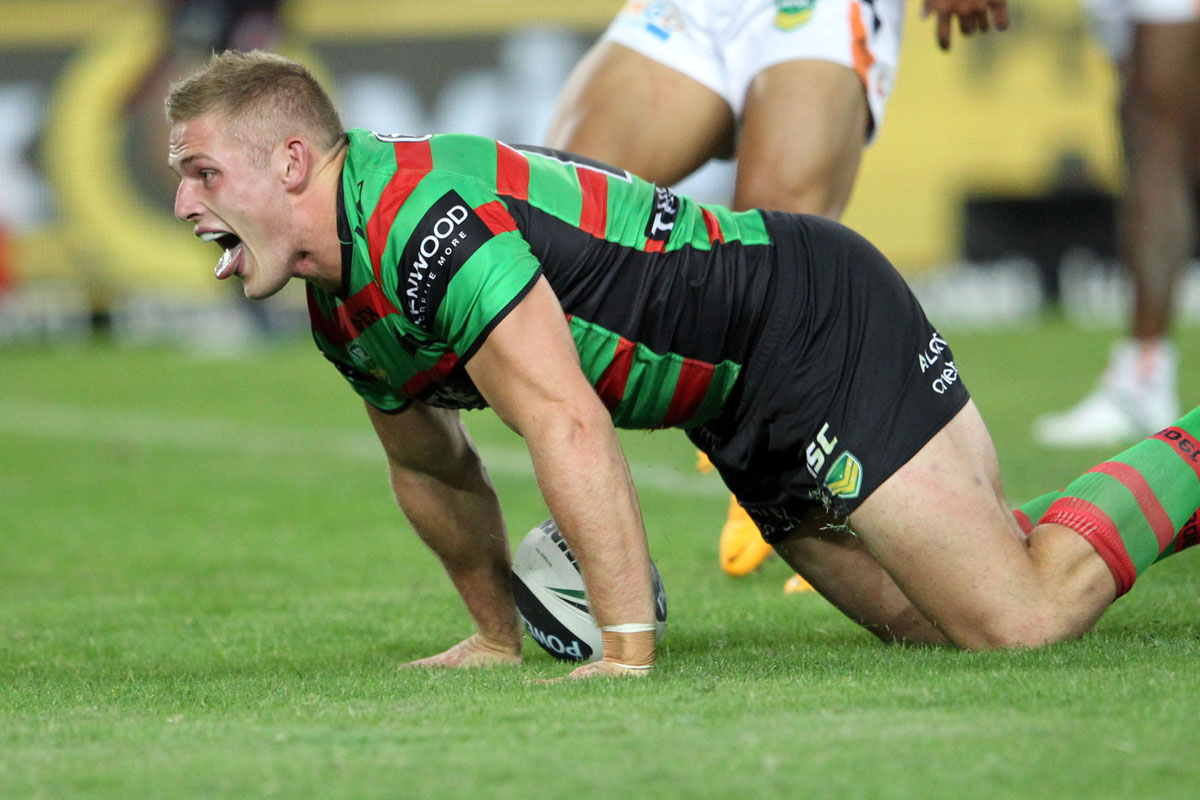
<point x="263" y="97"/>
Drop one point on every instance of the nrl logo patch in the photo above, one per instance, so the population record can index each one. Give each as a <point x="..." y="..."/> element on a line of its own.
<point x="791" y="14"/>
<point x="844" y="478"/>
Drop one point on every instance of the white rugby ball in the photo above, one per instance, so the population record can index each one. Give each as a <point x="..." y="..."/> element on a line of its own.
<point x="551" y="597"/>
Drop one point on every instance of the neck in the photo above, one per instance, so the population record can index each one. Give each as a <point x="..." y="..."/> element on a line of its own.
<point x="320" y="258"/>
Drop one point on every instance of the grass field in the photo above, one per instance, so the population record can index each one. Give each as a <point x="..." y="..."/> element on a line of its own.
<point x="205" y="590"/>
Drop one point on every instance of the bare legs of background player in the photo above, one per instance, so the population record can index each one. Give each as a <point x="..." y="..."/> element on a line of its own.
<point x="630" y="111"/>
<point x="1160" y="124"/>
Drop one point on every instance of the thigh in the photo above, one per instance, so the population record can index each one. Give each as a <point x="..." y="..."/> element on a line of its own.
<point x="819" y="103"/>
<point x="1163" y="68"/>
<point x="629" y="110"/>
<point x="836" y="563"/>
<point x="941" y="528"/>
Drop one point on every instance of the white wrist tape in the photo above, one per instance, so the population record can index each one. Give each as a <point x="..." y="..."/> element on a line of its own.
<point x="630" y="627"/>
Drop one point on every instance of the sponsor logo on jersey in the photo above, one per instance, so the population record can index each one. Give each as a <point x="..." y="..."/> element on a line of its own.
<point x="947" y="378"/>
<point x="818" y="449"/>
<point x="662" y="216"/>
<point x="935" y="357"/>
<point x="792" y="14"/>
<point x="448" y="234"/>
<point x="844" y="478"/>
<point x="363" y="360"/>
<point x="932" y="352"/>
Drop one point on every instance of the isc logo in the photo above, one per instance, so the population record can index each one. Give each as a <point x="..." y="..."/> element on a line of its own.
<point x="818" y="449"/>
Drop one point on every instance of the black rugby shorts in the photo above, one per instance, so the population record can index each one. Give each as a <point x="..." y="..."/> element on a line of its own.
<point x="846" y="381"/>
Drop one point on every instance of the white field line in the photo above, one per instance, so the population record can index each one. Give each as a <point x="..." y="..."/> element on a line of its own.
<point x="223" y="435"/>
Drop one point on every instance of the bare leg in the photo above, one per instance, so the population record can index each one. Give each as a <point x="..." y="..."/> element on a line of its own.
<point x="942" y="530"/>
<point x="1156" y="232"/>
<point x="630" y="111"/>
<point x="1160" y="122"/>
<point x="819" y="104"/>
<point x="837" y="564"/>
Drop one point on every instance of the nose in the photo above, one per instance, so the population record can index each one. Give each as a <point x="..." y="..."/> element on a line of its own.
<point x="186" y="207"/>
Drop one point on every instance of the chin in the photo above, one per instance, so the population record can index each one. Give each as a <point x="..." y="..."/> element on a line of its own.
<point x="255" y="292"/>
<point x="257" y="286"/>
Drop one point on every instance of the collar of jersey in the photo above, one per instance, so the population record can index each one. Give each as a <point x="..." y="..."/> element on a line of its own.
<point x="345" y="237"/>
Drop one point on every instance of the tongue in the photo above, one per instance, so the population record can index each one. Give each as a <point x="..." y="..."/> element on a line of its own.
<point x="228" y="264"/>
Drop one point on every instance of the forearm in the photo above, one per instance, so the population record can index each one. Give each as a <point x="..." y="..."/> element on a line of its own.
<point x="586" y="484"/>
<point x="578" y="464"/>
<point x="462" y="523"/>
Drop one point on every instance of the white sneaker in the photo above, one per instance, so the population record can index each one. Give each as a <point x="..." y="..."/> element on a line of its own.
<point x="1137" y="397"/>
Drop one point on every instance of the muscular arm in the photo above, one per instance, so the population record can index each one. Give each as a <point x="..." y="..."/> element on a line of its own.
<point x="528" y="370"/>
<point x="444" y="491"/>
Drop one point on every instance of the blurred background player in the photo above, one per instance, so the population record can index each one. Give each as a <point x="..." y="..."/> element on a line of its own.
<point x="1156" y="45"/>
<point x="794" y="89"/>
<point x="196" y="29"/>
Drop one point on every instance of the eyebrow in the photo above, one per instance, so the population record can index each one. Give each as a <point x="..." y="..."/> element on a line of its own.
<point x="185" y="161"/>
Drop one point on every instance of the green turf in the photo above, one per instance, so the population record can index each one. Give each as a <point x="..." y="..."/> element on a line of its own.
<point x="205" y="589"/>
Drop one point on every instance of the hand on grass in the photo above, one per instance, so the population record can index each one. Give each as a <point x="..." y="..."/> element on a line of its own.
<point x="599" y="669"/>
<point x="474" y="651"/>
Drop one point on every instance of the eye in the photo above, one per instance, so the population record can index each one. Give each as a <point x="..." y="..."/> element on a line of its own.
<point x="207" y="175"/>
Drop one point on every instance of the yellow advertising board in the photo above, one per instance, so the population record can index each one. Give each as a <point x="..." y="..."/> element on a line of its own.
<point x="997" y="114"/>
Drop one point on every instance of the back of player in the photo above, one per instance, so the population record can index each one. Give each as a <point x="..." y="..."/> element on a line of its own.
<point x="764" y="334"/>
<point x="664" y="295"/>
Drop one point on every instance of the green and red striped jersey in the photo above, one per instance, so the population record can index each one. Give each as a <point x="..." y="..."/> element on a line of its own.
<point x="442" y="235"/>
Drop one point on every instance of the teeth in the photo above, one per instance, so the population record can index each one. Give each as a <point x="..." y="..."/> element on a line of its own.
<point x="211" y="236"/>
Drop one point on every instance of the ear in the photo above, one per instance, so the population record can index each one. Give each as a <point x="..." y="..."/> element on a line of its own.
<point x="295" y="163"/>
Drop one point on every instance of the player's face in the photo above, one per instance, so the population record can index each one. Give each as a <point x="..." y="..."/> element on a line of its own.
<point x="233" y="200"/>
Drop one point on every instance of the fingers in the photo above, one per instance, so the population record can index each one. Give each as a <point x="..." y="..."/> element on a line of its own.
<point x="999" y="9"/>
<point x="943" y="29"/>
<point x="610" y="669"/>
<point x="471" y="652"/>
<point x="973" y="16"/>
<point x="599" y="669"/>
<point x="474" y="651"/>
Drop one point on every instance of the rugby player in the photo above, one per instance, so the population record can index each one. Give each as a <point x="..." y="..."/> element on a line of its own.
<point x="795" y="89"/>
<point x="1156" y="45"/>
<point x="451" y="272"/>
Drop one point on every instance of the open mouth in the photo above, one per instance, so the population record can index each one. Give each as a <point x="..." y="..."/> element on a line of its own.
<point x="230" y="258"/>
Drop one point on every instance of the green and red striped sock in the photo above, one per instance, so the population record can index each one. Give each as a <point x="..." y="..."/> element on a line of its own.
<point x="1138" y="507"/>
<point x="1029" y="513"/>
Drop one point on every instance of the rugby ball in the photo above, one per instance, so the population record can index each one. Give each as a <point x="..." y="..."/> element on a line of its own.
<point x="551" y="597"/>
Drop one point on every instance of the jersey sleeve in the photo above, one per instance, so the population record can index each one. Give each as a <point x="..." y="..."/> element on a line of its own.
<point x="463" y="268"/>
